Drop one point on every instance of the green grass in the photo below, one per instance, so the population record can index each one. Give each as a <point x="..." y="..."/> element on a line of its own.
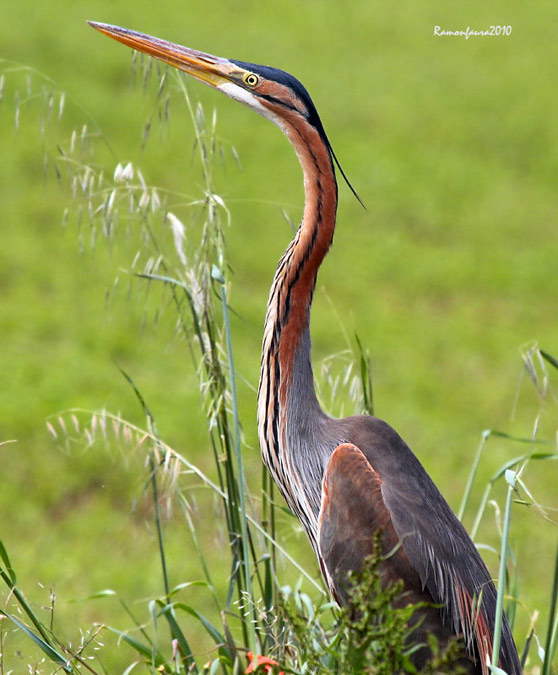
<point x="446" y="276"/>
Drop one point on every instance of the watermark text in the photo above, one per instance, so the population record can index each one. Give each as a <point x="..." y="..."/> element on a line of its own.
<point x="492" y="31"/>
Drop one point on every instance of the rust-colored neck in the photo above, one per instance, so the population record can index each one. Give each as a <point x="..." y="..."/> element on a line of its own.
<point x="288" y="411"/>
<point x="297" y="272"/>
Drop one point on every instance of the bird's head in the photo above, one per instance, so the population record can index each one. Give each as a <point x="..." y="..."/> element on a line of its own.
<point x="271" y="92"/>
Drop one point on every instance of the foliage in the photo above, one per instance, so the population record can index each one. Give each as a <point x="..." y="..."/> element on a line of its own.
<point x="369" y="635"/>
<point x="303" y="635"/>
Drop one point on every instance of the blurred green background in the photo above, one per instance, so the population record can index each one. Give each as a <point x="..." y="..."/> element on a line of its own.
<point x="451" y="270"/>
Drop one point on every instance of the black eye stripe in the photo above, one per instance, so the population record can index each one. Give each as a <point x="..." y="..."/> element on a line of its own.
<point x="284" y="104"/>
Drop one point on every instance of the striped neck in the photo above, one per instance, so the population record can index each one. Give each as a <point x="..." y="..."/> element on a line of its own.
<point x="286" y="396"/>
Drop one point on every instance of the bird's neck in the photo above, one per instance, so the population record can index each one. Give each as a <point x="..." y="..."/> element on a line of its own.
<point x="295" y="280"/>
<point x="286" y="398"/>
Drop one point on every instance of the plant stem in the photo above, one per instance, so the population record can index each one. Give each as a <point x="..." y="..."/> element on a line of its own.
<point x="502" y="574"/>
<point x="245" y="544"/>
<point x="551" y="638"/>
<point x="472" y="475"/>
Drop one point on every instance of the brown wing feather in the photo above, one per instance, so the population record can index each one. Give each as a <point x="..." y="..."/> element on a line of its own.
<point x="435" y="543"/>
<point x="352" y="513"/>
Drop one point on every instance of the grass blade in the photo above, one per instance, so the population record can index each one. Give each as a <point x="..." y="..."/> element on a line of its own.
<point x="178" y="635"/>
<point x="52" y="654"/>
<point x="511" y="479"/>
<point x="209" y="627"/>
<point x="548" y="357"/>
<point x="472" y="474"/>
<point x="552" y="635"/>
<point x="149" y="653"/>
<point x="245" y="543"/>
<point x="365" y="378"/>
<point x="7" y="564"/>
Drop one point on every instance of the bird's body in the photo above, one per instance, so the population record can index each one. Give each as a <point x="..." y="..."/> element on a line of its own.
<point x="350" y="480"/>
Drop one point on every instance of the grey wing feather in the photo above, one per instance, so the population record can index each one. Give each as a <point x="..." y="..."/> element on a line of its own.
<point x="435" y="541"/>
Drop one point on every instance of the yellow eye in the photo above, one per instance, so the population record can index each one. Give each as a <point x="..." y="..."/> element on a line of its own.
<point x="251" y="80"/>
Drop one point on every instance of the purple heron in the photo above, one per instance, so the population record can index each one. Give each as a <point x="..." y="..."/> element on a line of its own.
<point x="348" y="480"/>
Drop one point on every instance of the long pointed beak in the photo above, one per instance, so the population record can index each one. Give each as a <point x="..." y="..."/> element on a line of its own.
<point x="210" y="69"/>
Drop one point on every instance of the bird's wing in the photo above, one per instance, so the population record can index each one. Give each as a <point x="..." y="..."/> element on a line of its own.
<point x="385" y="488"/>
<point x="352" y="511"/>
<point x="353" y="523"/>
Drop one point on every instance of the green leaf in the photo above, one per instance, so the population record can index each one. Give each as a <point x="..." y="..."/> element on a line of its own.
<point x="188" y="584"/>
<point x="52" y="654"/>
<point x="268" y="582"/>
<point x="149" y="653"/>
<point x="552" y="634"/>
<point x="218" y="638"/>
<point x="549" y="358"/>
<point x="7" y="564"/>
<point x="214" y="667"/>
<point x="168" y="612"/>
<point x="107" y="592"/>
